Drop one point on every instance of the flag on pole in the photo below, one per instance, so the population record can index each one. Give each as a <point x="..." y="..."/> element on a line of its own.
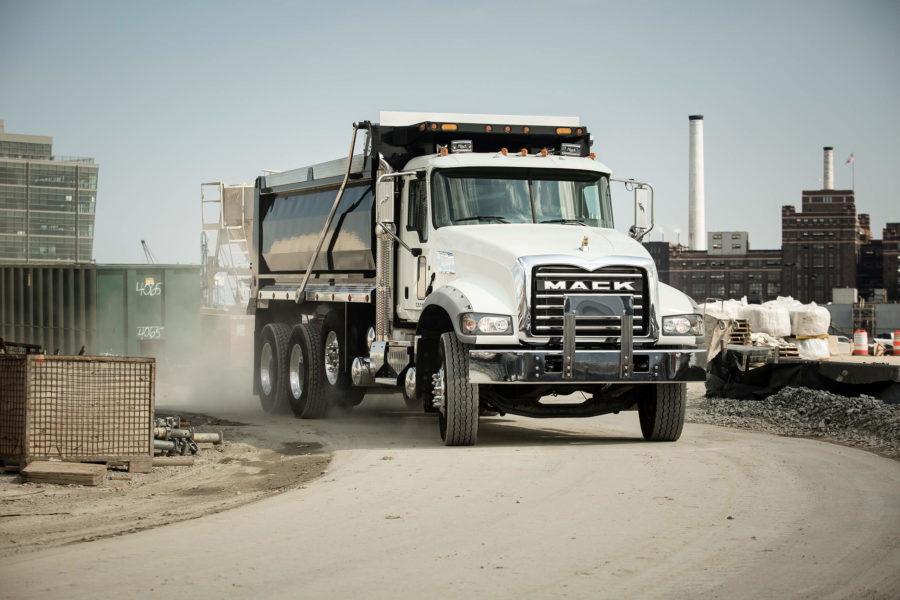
<point x="849" y="159"/>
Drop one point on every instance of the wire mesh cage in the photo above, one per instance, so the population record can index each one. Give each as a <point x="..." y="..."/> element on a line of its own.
<point x="76" y="408"/>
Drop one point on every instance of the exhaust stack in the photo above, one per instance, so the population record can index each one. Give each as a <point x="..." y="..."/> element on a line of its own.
<point x="696" y="193"/>
<point x="828" y="182"/>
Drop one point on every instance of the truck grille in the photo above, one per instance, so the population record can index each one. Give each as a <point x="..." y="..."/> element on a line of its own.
<point x="552" y="283"/>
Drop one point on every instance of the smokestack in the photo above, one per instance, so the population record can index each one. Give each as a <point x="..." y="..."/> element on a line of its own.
<point x="696" y="194"/>
<point x="828" y="183"/>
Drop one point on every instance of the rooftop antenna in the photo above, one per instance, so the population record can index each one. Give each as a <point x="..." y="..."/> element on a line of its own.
<point x="148" y="253"/>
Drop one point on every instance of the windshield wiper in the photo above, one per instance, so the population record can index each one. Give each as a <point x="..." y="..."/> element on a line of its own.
<point x="480" y="217"/>
<point x="565" y="221"/>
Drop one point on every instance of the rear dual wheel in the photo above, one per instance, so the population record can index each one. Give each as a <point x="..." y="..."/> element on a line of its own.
<point x="302" y="369"/>
<point x="273" y="353"/>
<point x="338" y="350"/>
<point x="304" y="372"/>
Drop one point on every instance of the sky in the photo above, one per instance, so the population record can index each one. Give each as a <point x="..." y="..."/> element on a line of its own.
<point x="168" y="95"/>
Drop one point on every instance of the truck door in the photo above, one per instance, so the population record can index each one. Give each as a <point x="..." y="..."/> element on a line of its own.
<point x="412" y="271"/>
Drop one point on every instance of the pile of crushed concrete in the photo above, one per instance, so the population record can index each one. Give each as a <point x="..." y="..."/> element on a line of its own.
<point x="862" y="422"/>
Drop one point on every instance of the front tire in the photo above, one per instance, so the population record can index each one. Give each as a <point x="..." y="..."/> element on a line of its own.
<point x="662" y="412"/>
<point x="273" y="356"/>
<point x="306" y="393"/>
<point x="457" y="399"/>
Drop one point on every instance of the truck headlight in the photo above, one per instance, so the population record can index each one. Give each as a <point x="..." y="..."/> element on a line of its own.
<point x="683" y="325"/>
<point x="482" y="324"/>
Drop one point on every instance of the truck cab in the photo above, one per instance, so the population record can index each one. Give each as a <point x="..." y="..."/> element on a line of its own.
<point x="492" y="281"/>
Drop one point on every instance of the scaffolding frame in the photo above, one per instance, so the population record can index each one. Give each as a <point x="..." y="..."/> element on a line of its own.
<point x="226" y="214"/>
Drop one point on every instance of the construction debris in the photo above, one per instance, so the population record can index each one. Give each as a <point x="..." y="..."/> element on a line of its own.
<point x="175" y="436"/>
<point x="861" y="421"/>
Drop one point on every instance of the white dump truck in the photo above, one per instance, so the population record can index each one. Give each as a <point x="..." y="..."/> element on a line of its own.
<point x="471" y="261"/>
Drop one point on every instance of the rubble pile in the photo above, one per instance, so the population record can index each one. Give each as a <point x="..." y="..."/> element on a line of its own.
<point x="862" y="422"/>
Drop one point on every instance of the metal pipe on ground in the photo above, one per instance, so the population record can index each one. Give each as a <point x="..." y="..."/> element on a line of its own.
<point x="211" y="438"/>
<point x="163" y="445"/>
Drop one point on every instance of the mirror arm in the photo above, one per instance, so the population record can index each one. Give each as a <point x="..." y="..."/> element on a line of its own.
<point x="637" y="185"/>
<point x="384" y="228"/>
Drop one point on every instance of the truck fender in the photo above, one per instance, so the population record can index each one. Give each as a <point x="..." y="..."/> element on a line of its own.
<point x="443" y="304"/>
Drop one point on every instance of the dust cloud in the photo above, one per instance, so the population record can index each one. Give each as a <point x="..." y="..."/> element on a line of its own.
<point x="212" y="370"/>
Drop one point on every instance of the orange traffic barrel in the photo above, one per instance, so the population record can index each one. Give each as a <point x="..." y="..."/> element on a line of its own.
<point x="860" y="342"/>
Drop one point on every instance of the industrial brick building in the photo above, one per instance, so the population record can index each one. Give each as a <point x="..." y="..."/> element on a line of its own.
<point x="47" y="202"/>
<point x="826" y="245"/>
<point x="720" y="272"/>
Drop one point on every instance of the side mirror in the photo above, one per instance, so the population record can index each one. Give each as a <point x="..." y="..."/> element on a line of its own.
<point x="384" y="201"/>
<point x="643" y="207"/>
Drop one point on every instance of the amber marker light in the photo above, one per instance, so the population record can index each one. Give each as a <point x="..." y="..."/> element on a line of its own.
<point x="580" y="131"/>
<point x="527" y="129"/>
<point x="488" y="128"/>
<point x="524" y="152"/>
<point x="444" y="151"/>
<point x="422" y="127"/>
<point x="434" y="126"/>
<point x="592" y="156"/>
<point x="544" y="152"/>
<point x="507" y="129"/>
<point x="448" y="127"/>
<point x="563" y="130"/>
<point x="504" y="151"/>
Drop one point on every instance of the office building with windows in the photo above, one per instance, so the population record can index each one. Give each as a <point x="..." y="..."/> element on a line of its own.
<point x="47" y="202"/>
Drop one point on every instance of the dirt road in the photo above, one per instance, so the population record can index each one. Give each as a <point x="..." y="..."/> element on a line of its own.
<point x="539" y="509"/>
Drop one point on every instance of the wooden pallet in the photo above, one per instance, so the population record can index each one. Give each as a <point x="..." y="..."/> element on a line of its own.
<point x="740" y="333"/>
<point x="64" y="473"/>
<point x="134" y="464"/>
<point x="789" y="351"/>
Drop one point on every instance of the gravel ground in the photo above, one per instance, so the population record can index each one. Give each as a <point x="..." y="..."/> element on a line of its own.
<point x="861" y="422"/>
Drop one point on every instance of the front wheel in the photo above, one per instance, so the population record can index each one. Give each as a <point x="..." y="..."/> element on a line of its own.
<point x="455" y="398"/>
<point x="662" y="411"/>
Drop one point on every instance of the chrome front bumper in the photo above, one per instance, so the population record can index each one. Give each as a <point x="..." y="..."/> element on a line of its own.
<point x="585" y="366"/>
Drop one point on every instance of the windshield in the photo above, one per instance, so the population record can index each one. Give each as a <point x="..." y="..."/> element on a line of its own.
<point x="469" y="196"/>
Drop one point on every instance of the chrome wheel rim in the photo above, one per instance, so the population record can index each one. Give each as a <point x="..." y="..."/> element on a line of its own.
<point x="332" y="357"/>
<point x="265" y="368"/>
<point x="296" y="371"/>
<point x="440" y="384"/>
